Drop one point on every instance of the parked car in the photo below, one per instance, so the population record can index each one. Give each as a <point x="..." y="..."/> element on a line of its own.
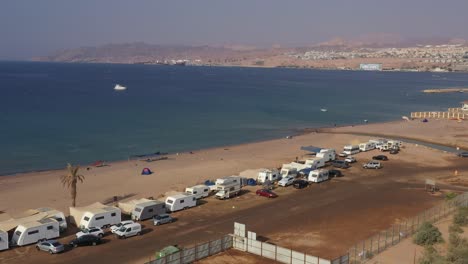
<point x="393" y="151"/>
<point x="340" y="164"/>
<point x="129" y="230"/>
<point x="266" y="193"/>
<point x="95" y="231"/>
<point x="51" y="246"/>
<point x="380" y="157"/>
<point x="335" y="173"/>
<point x="85" y="240"/>
<point x="463" y="154"/>
<point x="286" y="181"/>
<point x="342" y="154"/>
<point x="119" y="225"/>
<point x="350" y="159"/>
<point x="372" y="165"/>
<point x="162" y="219"/>
<point x="300" y="184"/>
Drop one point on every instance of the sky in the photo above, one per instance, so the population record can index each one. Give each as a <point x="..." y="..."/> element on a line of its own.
<point x="39" y="27"/>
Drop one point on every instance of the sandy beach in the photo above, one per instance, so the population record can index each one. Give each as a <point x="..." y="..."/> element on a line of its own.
<point x="123" y="179"/>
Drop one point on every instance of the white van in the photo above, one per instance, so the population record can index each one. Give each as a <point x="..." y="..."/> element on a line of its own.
<point x="180" y="201"/>
<point x="200" y="191"/>
<point x="351" y="149"/>
<point x="129" y="230"/>
<point x="3" y="240"/>
<point x="318" y="176"/>
<point x="32" y="232"/>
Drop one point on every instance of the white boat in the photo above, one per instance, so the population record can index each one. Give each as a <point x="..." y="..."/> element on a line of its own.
<point x="323" y="110"/>
<point x="119" y="87"/>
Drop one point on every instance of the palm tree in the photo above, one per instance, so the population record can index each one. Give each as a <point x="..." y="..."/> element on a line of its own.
<point x="71" y="179"/>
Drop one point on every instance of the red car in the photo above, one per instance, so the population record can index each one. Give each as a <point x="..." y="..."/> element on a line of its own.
<point x="266" y="193"/>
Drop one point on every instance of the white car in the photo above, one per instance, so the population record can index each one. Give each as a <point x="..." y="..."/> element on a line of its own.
<point x="372" y="165"/>
<point x="116" y="227"/>
<point x="96" y="231"/>
<point x="342" y="154"/>
<point x="288" y="180"/>
<point x="350" y="159"/>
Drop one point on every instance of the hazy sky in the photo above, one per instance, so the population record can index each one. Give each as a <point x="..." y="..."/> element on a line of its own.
<point x="38" y="27"/>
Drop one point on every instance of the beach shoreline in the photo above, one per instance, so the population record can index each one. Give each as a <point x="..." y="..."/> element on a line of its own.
<point x="122" y="178"/>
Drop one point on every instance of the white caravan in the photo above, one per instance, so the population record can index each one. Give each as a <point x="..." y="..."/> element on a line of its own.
<point x="54" y="214"/>
<point x="318" y="176"/>
<point x="32" y="232"/>
<point x="271" y="175"/>
<point x="95" y="215"/>
<point x="394" y="144"/>
<point x="315" y="163"/>
<point x="142" y="209"/>
<point x="351" y="149"/>
<point x="327" y="155"/>
<point x="200" y="191"/>
<point x="180" y="201"/>
<point x="3" y="240"/>
<point x="366" y="146"/>
<point x="288" y="171"/>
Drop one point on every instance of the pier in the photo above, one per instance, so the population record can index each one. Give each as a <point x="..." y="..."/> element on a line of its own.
<point x="440" y="115"/>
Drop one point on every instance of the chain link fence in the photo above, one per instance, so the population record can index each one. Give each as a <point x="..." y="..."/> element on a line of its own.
<point x="365" y="250"/>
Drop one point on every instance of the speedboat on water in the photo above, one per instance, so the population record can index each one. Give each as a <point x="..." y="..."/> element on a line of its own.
<point x="119" y="87"/>
<point x="323" y="110"/>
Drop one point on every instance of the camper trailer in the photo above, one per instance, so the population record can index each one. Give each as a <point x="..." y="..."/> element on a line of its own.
<point x="327" y="155"/>
<point x="200" y="191"/>
<point x="315" y="163"/>
<point x="142" y="209"/>
<point x="32" y="232"/>
<point x="180" y="201"/>
<point x="148" y="209"/>
<point x="366" y="146"/>
<point x="229" y="179"/>
<point x="95" y="215"/>
<point x="288" y="171"/>
<point x="3" y="240"/>
<point x="318" y="176"/>
<point x="351" y="149"/>
<point x="271" y="175"/>
<point x="56" y="215"/>
<point x="394" y="144"/>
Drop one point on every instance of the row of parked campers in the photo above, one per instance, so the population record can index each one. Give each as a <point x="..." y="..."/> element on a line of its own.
<point x="33" y="226"/>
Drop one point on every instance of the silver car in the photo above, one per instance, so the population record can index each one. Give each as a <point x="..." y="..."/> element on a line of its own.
<point x="162" y="219"/>
<point x="51" y="246"/>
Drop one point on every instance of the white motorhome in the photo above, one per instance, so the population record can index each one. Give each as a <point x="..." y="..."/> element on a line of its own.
<point x="318" y="175"/>
<point x="180" y="201"/>
<point x="271" y="175"/>
<point x="394" y="144"/>
<point x="226" y="191"/>
<point x="315" y="163"/>
<point x="200" y="191"/>
<point x="3" y="240"/>
<point x="351" y="149"/>
<point x="32" y="232"/>
<point x="327" y="155"/>
<point x="95" y="215"/>
<point x="366" y="146"/>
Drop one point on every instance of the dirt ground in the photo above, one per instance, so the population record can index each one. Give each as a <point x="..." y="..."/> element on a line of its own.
<point x="322" y="220"/>
<point x="235" y="256"/>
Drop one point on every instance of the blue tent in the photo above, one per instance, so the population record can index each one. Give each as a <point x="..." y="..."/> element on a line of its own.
<point x="146" y="171"/>
<point x="209" y="183"/>
<point x="251" y="182"/>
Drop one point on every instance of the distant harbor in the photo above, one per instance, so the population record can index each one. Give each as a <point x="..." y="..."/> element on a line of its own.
<point x="447" y="90"/>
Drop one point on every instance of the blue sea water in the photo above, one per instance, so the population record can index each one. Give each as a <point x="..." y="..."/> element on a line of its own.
<point x="54" y="113"/>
